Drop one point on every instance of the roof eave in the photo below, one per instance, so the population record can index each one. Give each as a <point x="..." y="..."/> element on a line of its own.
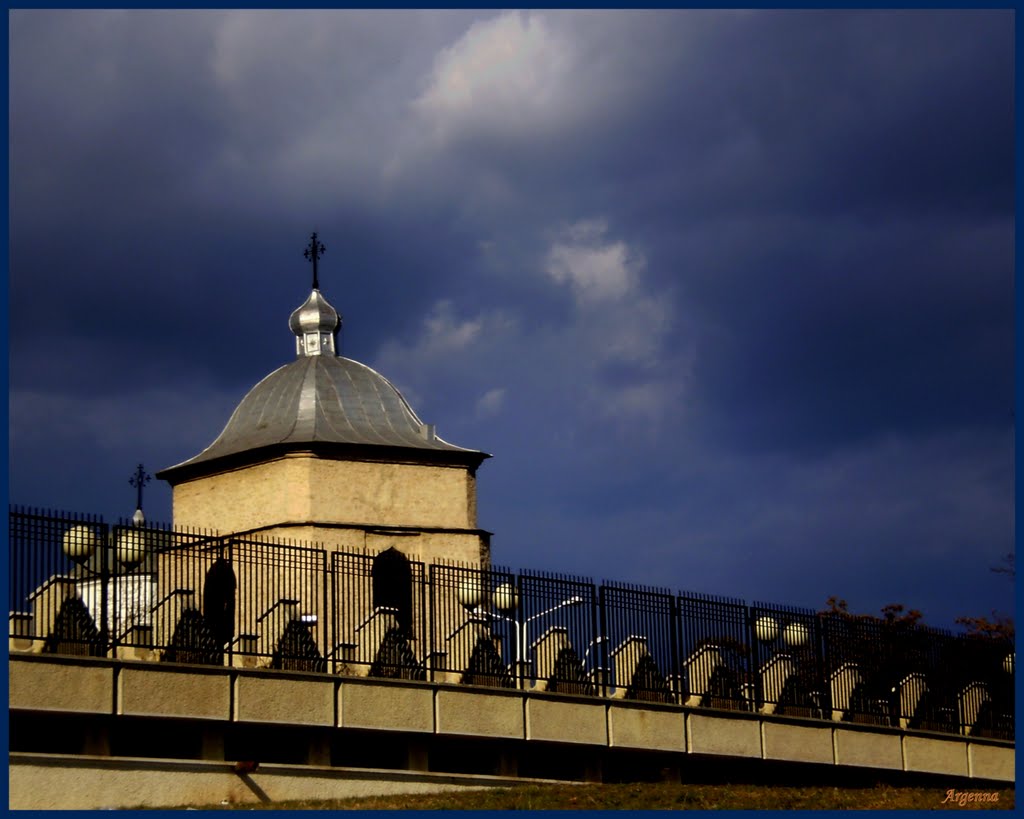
<point x="193" y="469"/>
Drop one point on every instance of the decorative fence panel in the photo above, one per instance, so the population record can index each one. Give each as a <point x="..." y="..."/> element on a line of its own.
<point x="558" y="632"/>
<point x="378" y="614"/>
<point x="54" y="558"/>
<point x="641" y="651"/>
<point x="714" y="650"/>
<point x="473" y="639"/>
<point x="788" y="667"/>
<point x="80" y="586"/>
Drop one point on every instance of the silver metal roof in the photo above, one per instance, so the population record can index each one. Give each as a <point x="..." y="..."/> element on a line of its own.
<point x="323" y="399"/>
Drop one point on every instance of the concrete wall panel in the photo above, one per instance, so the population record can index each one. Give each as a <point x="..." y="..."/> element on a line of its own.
<point x="991" y="762"/>
<point x="798" y="743"/>
<point x="718" y="735"/>
<point x="386" y="707"/>
<point x="644" y="728"/>
<point x="935" y="755"/>
<point x="160" y="692"/>
<point x="868" y="749"/>
<point x="266" y="698"/>
<point x="61" y="687"/>
<point x="560" y="721"/>
<point x="477" y="714"/>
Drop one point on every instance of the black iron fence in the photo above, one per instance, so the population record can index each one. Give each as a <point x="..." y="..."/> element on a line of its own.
<point x="81" y="586"/>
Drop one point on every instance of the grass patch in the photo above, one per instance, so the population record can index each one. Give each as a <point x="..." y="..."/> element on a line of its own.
<point x="659" y="796"/>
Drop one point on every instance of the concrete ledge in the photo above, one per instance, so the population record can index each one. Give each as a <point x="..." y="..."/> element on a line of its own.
<point x="265" y="698"/>
<point x="868" y="749"/>
<point x="94" y="688"/>
<point x="494" y="714"/>
<point x="390" y="707"/>
<point x="561" y="721"/>
<point x="49" y="782"/>
<point x="632" y="727"/>
<point x="994" y="762"/>
<point x="61" y="686"/>
<point x="798" y="743"/>
<point x="934" y="756"/>
<point x="159" y="691"/>
<point x="720" y="735"/>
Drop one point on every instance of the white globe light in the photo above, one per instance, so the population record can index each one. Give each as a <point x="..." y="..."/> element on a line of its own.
<point x="79" y="542"/>
<point x="796" y="634"/>
<point x="1010" y="662"/>
<point x="131" y="547"/>
<point x="505" y="597"/>
<point x="470" y="592"/>
<point x="766" y="629"/>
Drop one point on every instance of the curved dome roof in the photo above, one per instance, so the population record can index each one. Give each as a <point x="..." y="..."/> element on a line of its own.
<point x="321" y="398"/>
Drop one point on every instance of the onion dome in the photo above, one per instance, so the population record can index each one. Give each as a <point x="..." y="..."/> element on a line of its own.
<point x="316" y="324"/>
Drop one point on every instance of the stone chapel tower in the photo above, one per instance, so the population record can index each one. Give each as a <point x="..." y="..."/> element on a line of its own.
<point x="325" y="449"/>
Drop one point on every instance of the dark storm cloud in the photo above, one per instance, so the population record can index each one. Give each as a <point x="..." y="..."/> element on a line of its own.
<point x="728" y="292"/>
<point x="905" y="332"/>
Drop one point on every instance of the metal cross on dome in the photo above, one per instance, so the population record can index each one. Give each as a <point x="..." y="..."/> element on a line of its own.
<point x="138" y="480"/>
<point x="313" y="253"/>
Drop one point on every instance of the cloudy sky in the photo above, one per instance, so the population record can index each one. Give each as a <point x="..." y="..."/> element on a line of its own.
<point x="728" y="295"/>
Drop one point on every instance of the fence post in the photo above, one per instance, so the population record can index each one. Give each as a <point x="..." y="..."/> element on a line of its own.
<point x="603" y="652"/>
<point x="109" y="643"/>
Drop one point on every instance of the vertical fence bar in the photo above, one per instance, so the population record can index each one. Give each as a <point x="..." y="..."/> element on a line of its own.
<point x="326" y="614"/>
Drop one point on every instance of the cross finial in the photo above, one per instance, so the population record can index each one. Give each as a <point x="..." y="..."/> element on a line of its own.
<point x="138" y="480"/>
<point x="313" y="253"/>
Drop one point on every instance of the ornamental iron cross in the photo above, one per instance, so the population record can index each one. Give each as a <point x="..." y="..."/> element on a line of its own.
<point x="313" y="253"/>
<point x="138" y="480"/>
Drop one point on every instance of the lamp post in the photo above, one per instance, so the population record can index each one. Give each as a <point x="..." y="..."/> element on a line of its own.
<point x="127" y="546"/>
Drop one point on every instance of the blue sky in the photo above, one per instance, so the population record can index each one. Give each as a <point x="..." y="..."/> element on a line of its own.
<point x="728" y="295"/>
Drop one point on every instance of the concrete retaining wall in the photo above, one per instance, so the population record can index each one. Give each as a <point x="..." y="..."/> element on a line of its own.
<point x="99" y="692"/>
<point x="40" y="782"/>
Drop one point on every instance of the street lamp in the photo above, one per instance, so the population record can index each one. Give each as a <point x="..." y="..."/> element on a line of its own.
<point x="129" y="547"/>
<point x="766" y="629"/>
<point x="470" y="593"/>
<point x="505" y="597"/>
<point x="79" y="543"/>
<point x="796" y="635"/>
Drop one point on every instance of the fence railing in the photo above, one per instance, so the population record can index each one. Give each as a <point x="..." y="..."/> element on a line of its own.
<point x="81" y="586"/>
